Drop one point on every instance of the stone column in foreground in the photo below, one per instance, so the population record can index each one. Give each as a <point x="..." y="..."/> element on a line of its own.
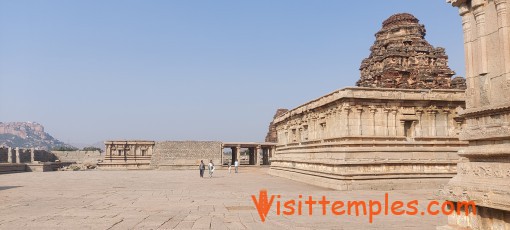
<point x="485" y="178"/>
<point x="9" y="155"/>
<point x="257" y="154"/>
<point x="17" y="156"/>
<point x="32" y="155"/>
<point x="238" y="154"/>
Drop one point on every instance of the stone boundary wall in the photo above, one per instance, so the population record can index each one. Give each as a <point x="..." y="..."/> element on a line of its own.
<point x="79" y="156"/>
<point x="44" y="156"/>
<point x="185" y="154"/>
<point x="12" y="168"/>
<point x="24" y="155"/>
<point x="51" y="156"/>
<point x="3" y="155"/>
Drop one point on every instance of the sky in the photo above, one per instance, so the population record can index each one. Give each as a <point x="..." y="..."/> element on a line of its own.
<point x="97" y="70"/>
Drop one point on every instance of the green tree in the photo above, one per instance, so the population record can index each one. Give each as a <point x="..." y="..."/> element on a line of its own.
<point x="92" y="148"/>
<point x="64" y="148"/>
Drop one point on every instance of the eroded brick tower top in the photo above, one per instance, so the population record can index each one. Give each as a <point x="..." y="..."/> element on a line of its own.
<point x="402" y="58"/>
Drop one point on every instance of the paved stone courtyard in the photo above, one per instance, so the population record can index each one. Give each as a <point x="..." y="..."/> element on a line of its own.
<point x="179" y="200"/>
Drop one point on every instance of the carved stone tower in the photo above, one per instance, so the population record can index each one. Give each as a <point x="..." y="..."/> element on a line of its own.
<point x="402" y="58"/>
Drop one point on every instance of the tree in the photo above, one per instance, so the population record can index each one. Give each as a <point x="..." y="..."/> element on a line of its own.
<point x="92" y="148"/>
<point x="64" y="148"/>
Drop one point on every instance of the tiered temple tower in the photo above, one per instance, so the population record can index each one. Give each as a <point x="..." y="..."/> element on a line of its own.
<point x="402" y="58"/>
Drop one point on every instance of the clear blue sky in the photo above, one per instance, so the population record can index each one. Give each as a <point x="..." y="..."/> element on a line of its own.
<point x="188" y="70"/>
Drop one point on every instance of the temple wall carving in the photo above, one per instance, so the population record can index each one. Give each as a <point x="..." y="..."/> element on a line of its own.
<point x="372" y="138"/>
<point x="410" y="113"/>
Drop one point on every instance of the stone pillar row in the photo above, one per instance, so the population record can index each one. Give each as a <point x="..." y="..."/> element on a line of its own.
<point x="17" y="155"/>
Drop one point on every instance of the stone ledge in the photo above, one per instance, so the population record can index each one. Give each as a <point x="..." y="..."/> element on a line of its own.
<point x="353" y="184"/>
<point x="384" y="94"/>
<point x="12" y="168"/>
<point x="370" y="175"/>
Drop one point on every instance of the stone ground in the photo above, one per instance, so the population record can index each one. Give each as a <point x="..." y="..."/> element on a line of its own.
<point x="179" y="200"/>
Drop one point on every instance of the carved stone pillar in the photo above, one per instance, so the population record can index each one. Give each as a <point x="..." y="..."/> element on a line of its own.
<point x="484" y="178"/>
<point x="400" y="129"/>
<point x="373" y="110"/>
<point x="386" y="123"/>
<point x="447" y="122"/>
<point x="9" y="155"/>
<point x="17" y="155"/>
<point x="432" y="117"/>
<point x="479" y="14"/>
<point x="346" y="110"/>
<point x="32" y="155"/>
<point x="418" y="129"/>
<point x="108" y="152"/>
<point x="257" y="154"/>
<point x="238" y="154"/>
<point x="150" y="151"/>
<point x="504" y="32"/>
<point x="394" y="122"/>
<point x="359" y="111"/>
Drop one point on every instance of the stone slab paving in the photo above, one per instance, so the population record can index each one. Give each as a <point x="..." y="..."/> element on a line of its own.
<point x="180" y="200"/>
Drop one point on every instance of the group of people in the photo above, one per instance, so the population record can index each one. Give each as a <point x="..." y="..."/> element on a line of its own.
<point x="211" y="167"/>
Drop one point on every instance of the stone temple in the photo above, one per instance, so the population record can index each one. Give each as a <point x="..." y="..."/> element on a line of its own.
<point x="398" y="130"/>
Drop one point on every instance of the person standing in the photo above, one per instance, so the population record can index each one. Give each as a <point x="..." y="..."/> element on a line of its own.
<point x="202" y="168"/>
<point x="211" y="168"/>
<point x="236" y="165"/>
<point x="229" y="166"/>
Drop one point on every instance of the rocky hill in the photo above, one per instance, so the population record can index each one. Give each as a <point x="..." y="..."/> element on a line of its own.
<point x="27" y="135"/>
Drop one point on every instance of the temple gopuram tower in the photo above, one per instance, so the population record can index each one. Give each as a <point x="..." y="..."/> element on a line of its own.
<point x="402" y="58"/>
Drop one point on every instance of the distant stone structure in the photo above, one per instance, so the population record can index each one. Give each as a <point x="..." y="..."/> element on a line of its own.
<point x="30" y="159"/>
<point x="402" y="58"/>
<point x="185" y="154"/>
<point x="258" y="153"/>
<point x="79" y="156"/>
<point x="485" y="178"/>
<point x="271" y="134"/>
<point x="134" y="154"/>
<point x="403" y="136"/>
